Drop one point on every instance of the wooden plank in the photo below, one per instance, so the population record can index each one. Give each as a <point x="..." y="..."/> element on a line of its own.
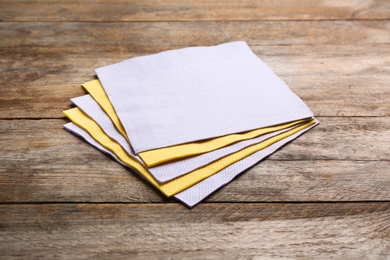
<point x="334" y="80"/>
<point x="303" y="181"/>
<point x="223" y="231"/>
<point x="155" y="36"/>
<point x="43" y="163"/>
<point x="336" y="138"/>
<point x="49" y="167"/>
<point x="215" y="10"/>
<point x="103" y="181"/>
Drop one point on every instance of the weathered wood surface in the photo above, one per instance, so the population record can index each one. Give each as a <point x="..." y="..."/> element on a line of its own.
<point x="209" y="231"/>
<point x="55" y="166"/>
<point x="325" y="195"/>
<point x="344" y="80"/>
<point x="159" y="36"/>
<point x="219" y="10"/>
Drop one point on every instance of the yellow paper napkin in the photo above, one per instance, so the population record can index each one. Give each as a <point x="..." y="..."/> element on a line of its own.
<point x="179" y="184"/>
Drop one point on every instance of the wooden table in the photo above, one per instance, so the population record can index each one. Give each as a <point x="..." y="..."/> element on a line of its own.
<point x="325" y="195"/>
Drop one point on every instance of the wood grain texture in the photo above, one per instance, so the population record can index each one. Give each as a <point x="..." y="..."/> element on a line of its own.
<point x="334" y="80"/>
<point x="216" y="10"/>
<point x="326" y="195"/>
<point x="158" y="36"/>
<point x="55" y="166"/>
<point x="224" y="231"/>
<point x="363" y="138"/>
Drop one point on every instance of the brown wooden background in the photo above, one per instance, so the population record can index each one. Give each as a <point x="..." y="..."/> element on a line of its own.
<point x="326" y="195"/>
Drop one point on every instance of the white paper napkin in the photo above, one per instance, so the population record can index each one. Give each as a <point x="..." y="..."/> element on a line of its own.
<point x="197" y="93"/>
<point x="201" y="190"/>
<point x="168" y="171"/>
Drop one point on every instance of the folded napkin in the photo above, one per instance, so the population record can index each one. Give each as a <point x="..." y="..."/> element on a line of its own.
<point x="183" y="182"/>
<point x="171" y="170"/>
<point x="172" y="153"/>
<point x="197" y="93"/>
<point x="196" y="193"/>
<point x="190" y="120"/>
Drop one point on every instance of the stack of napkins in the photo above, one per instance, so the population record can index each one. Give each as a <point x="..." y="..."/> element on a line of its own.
<point x="189" y="120"/>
